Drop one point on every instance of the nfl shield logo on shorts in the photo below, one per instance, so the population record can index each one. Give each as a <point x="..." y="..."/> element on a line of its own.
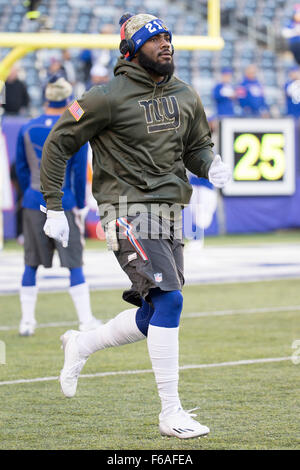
<point x="158" y="277"/>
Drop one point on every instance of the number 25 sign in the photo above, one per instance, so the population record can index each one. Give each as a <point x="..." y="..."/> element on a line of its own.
<point x="261" y="154"/>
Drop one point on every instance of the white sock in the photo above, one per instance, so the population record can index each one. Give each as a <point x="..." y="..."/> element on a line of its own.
<point x="120" y="330"/>
<point x="81" y="298"/>
<point x="28" y="297"/>
<point x="163" y="350"/>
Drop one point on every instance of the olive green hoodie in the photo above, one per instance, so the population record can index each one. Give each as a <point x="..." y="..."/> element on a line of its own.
<point x="143" y="135"/>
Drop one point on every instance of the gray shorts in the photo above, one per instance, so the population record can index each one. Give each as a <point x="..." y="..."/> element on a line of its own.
<point x="39" y="249"/>
<point x="151" y="256"/>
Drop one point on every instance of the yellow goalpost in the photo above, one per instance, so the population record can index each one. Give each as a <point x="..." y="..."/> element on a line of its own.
<point x="24" y="43"/>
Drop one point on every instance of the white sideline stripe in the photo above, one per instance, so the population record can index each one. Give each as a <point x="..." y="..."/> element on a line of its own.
<point x="147" y="371"/>
<point x="216" y="313"/>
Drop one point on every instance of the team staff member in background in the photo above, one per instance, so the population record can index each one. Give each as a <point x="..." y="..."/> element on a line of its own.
<point x="291" y="32"/>
<point x="17" y="99"/>
<point x="224" y="94"/>
<point x="292" y="93"/>
<point x="39" y="248"/>
<point x="145" y="127"/>
<point x="251" y="95"/>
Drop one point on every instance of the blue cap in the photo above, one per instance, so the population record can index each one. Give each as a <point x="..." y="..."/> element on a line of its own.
<point x="227" y="70"/>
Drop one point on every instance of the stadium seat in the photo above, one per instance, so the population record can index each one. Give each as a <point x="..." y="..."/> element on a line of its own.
<point x="188" y="19"/>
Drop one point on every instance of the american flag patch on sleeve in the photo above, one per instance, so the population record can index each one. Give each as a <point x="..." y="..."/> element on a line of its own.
<point x="76" y="110"/>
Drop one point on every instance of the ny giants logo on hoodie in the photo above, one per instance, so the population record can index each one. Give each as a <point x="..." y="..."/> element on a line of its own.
<point x="161" y="114"/>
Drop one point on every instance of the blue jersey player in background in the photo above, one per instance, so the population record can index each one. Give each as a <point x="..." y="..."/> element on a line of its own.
<point x="292" y="93"/>
<point x="224" y="94"/>
<point x="251" y="96"/>
<point x="38" y="248"/>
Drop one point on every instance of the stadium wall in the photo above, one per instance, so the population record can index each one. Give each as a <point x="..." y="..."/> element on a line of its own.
<point x="248" y="214"/>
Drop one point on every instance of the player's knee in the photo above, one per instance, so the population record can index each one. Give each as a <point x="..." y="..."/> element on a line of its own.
<point x="29" y="276"/>
<point x="168" y="308"/>
<point x="175" y="299"/>
<point x="76" y="276"/>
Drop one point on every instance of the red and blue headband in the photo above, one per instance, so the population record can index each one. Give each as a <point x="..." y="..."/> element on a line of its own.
<point x="150" y="29"/>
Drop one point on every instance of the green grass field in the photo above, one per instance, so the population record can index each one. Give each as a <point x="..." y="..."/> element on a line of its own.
<point x="246" y="406"/>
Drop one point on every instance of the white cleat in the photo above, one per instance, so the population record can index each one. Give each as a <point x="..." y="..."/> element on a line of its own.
<point x="91" y="325"/>
<point x="73" y="364"/>
<point x="27" y="328"/>
<point x="181" y="425"/>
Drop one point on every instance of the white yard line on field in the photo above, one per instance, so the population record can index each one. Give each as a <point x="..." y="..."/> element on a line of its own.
<point x="147" y="371"/>
<point x="217" y="313"/>
<point x="220" y="313"/>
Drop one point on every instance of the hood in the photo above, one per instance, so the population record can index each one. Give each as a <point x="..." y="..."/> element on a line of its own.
<point x="138" y="73"/>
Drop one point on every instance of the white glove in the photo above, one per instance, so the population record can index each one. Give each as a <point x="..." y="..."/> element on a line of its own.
<point x="219" y="173"/>
<point x="57" y="227"/>
<point x="80" y="216"/>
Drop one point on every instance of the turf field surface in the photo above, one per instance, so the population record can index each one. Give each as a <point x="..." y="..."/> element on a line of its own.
<point x="237" y="364"/>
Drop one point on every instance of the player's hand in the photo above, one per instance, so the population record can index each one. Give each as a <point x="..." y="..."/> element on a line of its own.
<point x="57" y="227"/>
<point x="219" y="173"/>
<point x="80" y="216"/>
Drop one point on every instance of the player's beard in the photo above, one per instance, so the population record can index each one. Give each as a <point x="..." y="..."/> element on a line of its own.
<point x="162" y="70"/>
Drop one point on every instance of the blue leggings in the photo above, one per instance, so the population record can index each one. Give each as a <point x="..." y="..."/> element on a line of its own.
<point x="166" y="311"/>
<point x="29" y="276"/>
<point x="76" y="276"/>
